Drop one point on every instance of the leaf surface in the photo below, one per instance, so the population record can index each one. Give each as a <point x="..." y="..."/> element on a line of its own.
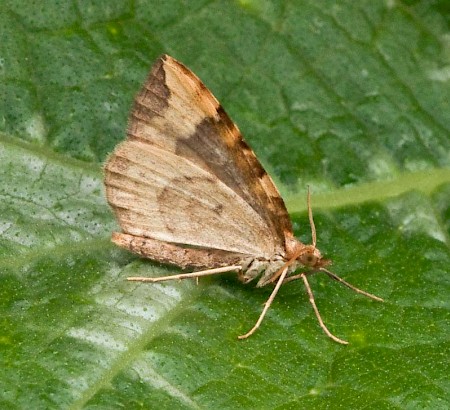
<point x="351" y="98"/>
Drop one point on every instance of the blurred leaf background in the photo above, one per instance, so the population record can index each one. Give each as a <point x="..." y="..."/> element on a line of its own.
<point x="349" y="97"/>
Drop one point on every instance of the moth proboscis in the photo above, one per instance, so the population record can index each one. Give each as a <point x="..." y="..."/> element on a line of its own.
<point x="187" y="190"/>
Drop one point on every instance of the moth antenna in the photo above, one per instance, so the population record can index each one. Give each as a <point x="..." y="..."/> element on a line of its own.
<point x="266" y="305"/>
<point x="311" y="219"/>
<point x="316" y="311"/>
<point x="345" y="283"/>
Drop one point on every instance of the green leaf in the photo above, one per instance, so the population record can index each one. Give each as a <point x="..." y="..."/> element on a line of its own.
<point x="351" y="98"/>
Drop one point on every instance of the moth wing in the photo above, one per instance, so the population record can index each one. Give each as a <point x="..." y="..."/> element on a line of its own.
<point x="175" y="114"/>
<point x="158" y="194"/>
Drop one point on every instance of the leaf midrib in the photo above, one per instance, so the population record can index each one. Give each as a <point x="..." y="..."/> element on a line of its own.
<point x="425" y="181"/>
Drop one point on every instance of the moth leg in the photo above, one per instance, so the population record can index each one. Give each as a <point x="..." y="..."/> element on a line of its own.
<point x="266" y="305"/>
<point x="252" y="271"/>
<point x="190" y="275"/>
<point x="293" y="277"/>
<point x="316" y="311"/>
<point x="270" y="274"/>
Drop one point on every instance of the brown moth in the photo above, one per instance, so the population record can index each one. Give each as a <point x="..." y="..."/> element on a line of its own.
<point x="187" y="190"/>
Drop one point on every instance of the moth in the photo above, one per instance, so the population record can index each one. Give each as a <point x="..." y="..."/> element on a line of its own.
<point x="188" y="191"/>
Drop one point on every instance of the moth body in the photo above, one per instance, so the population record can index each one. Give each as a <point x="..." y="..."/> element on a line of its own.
<point x="252" y="267"/>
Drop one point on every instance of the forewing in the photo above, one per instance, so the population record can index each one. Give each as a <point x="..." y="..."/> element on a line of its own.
<point x="176" y="117"/>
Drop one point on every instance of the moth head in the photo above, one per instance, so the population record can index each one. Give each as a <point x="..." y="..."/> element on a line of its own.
<point x="311" y="257"/>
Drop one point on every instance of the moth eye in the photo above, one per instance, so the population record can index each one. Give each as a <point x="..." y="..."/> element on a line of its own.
<point x="309" y="259"/>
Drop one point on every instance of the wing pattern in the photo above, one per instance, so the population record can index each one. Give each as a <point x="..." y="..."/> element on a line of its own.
<point x="186" y="176"/>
